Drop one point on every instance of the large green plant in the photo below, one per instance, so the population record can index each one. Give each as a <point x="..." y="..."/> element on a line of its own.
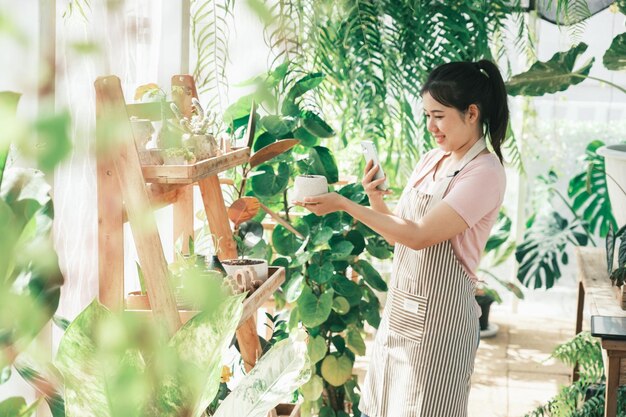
<point x="119" y="366"/>
<point x="585" y="397"/>
<point x="318" y="253"/>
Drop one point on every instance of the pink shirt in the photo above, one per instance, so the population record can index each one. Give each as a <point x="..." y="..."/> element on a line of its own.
<point x="475" y="193"/>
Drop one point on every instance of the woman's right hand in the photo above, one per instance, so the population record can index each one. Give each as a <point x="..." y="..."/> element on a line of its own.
<point x="370" y="184"/>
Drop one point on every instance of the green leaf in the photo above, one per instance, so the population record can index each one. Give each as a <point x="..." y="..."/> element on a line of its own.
<point x="16" y="407"/>
<point x="314" y="310"/>
<point x="358" y="242"/>
<point x="278" y="126"/>
<point x="294" y="287"/>
<point x="270" y="183"/>
<point x="315" y="125"/>
<point x="323" y="163"/>
<point x="327" y="411"/>
<point x="370" y="275"/>
<point x="336" y="370"/>
<point x="589" y="193"/>
<point x="322" y="235"/>
<point x="313" y="389"/>
<point x="321" y="273"/>
<point x="341" y="305"/>
<point x="285" y="242"/>
<point x="541" y="253"/>
<point x="237" y="110"/>
<point x="355" y="341"/>
<point x="347" y="288"/>
<point x="279" y="372"/>
<point x="615" y="57"/>
<point x="317" y="349"/>
<point x="304" y="84"/>
<point x="45" y="379"/>
<point x="341" y="249"/>
<point x="200" y="342"/>
<point x="500" y="233"/>
<point x="306" y="138"/>
<point x="551" y="76"/>
<point x="379" y="248"/>
<point x="263" y="140"/>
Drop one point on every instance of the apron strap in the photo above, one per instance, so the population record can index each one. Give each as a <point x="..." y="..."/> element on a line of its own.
<point x="443" y="185"/>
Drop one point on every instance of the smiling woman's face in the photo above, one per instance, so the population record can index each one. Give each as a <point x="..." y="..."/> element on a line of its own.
<point x="452" y="130"/>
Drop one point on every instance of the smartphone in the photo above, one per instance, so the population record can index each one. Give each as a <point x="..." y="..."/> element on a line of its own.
<point x="370" y="154"/>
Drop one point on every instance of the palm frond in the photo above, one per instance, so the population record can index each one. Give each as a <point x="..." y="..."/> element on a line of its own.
<point x="210" y="33"/>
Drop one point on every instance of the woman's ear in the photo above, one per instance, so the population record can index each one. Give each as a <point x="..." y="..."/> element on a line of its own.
<point x="473" y="113"/>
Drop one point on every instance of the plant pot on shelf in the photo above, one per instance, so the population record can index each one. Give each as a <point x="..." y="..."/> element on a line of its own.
<point x="260" y="267"/>
<point x="486" y="329"/>
<point x="309" y="186"/>
<point x="136" y="300"/>
<point x="288" y="410"/>
<point x="615" y="168"/>
<point x="204" y="146"/>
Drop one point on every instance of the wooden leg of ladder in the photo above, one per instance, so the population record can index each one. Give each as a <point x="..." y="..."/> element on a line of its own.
<point x="216" y="214"/>
<point x="110" y="237"/>
<point x="183" y="217"/>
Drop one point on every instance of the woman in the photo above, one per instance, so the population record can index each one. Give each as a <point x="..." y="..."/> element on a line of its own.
<point x="425" y="347"/>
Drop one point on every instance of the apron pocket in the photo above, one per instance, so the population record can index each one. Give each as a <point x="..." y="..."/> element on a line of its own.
<point x="408" y="314"/>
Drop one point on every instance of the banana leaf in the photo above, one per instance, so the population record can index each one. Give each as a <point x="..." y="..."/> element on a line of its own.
<point x="543" y="250"/>
<point x="615" y="57"/>
<point x="551" y="76"/>
<point x="281" y="371"/>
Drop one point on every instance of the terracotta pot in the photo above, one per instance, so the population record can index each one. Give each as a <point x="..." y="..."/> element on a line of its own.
<point x="137" y="301"/>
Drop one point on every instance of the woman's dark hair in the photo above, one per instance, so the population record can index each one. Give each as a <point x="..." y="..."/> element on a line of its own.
<point x="459" y="84"/>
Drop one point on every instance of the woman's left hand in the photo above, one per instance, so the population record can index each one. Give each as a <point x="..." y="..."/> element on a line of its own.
<point x="323" y="204"/>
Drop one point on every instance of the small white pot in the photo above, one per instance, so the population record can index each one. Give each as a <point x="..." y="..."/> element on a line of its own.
<point x="204" y="146"/>
<point x="260" y="267"/>
<point x="309" y="186"/>
<point x="615" y="167"/>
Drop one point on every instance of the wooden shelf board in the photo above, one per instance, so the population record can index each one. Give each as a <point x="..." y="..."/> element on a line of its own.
<point x="188" y="174"/>
<point x="250" y="305"/>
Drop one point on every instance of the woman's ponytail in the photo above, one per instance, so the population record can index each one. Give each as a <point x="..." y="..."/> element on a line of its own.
<point x="496" y="107"/>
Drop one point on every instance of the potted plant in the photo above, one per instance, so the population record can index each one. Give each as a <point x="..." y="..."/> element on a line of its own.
<point x="306" y="185"/>
<point x="615" y="171"/>
<point x="199" y="130"/>
<point x="138" y="300"/>
<point x="244" y="245"/>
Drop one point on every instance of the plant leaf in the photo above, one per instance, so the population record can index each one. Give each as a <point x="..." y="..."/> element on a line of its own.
<point x="370" y="275"/>
<point x="615" y="57"/>
<point x="270" y="183"/>
<point x="315" y="125"/>
<point x="314" y="310"/>
<point x="336" y="370"/>
<point x="243" y="209"/>
<point x="551" y="76"/>
<point x="271" y="151"/>
<point x="279" y="372"/>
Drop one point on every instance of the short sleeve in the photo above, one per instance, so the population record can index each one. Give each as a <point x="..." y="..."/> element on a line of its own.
<point x="478" y="189"/>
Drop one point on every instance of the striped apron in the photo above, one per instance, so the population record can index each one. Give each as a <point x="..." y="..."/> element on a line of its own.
<point x="423" y="356"/>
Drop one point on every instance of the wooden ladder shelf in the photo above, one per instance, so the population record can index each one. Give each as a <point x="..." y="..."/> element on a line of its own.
<point x="128" y="191"/>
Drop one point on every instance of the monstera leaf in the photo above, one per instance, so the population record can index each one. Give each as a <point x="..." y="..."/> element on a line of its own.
<point x="615" y="57"/>
<point x="589" y="193"/>
<point x="552" y="76"/>
<point x="279" y="372"/>
<point x="543" y="250"/>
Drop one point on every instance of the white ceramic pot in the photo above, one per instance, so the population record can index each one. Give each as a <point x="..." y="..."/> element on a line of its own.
<point x="615" y="167"/>
<point x="309" y="186"/>
<point x="259" y="266"/>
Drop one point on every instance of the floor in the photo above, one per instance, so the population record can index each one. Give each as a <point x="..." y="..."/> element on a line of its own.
<point x="514" y="373"/>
